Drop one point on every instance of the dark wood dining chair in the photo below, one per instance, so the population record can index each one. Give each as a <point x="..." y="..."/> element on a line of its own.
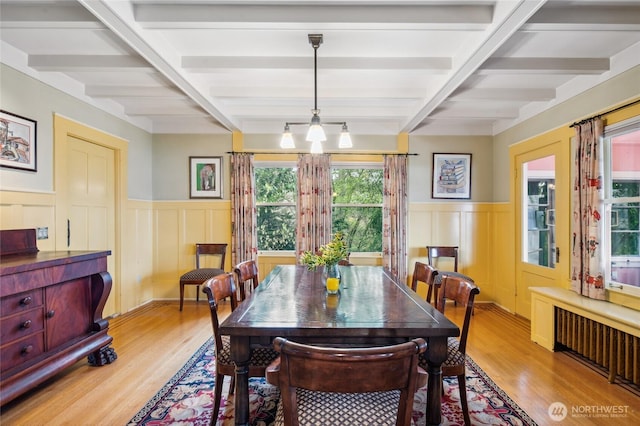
<point x="336" y="385"/>
<point x="463" y="293"/>
<point x="199" y="275"/>
<point x="436" y="252"/>
<point x="218" y="288"/>
<point x="247" y="273"/>
<point x="423" y="273"/>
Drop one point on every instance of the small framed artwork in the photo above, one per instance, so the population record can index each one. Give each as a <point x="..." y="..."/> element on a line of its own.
<point x="451" y="176"/>
<point x="17" y="142"/>
<point x="205" y="177"/>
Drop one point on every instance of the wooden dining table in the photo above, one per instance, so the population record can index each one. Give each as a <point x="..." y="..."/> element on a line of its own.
<point x="372" y="308"/>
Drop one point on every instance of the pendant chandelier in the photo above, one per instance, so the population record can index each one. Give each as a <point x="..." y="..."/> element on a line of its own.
<point x="315" y="134"/>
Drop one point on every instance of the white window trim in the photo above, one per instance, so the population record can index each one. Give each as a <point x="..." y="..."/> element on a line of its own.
<point x="610" y="132"/>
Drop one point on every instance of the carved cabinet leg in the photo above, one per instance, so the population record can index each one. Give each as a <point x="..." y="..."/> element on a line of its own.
<point x="105" y="355"/>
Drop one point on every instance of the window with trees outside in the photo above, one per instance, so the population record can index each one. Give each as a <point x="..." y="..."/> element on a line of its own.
<point x="356" y="210"/>
<point x="622" y="204"/>
<point x="357" y="206"/>
<point x="276" y="195"/>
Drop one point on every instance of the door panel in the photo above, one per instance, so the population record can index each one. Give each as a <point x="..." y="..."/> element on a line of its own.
<point x="92" y="202"/>
<point x="536" y="227"/>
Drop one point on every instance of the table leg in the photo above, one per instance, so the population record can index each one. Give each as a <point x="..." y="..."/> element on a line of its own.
<point x="241" y="354"/>
<point x="436" y="354"/>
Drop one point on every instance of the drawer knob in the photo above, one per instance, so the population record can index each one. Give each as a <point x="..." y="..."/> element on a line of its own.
<point x="26" y="301"/>
<point x="51" y="313"/>
<point x="26" y="350"/>
<point x="26" y="324"/>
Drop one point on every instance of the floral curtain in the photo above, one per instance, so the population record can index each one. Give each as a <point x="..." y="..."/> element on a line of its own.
<point x="314" y="202"/>
<point x="586" y="252"/>
<point x="394" y="215"/>
<point x="244" y="236"/>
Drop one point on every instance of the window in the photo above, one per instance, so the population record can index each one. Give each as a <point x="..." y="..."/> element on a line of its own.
<point x="357" y="205"/>
<point x="540" y="206"/>
<point x="356" y="210"/>
<point x="622" y="204"/>
<point x="276" y="194"/>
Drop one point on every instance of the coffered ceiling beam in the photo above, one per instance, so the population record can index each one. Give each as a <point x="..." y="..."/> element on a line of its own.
<point x="213" y="15"/>
<point x="477" y="113"/>
<point x="545" y="65"/>
<point x="504" y="94"/>
<point x="594" y="16"/>
<point x="41" y="15"/>
<point x="205" y="63"/>
<point x="164" y="109"/>
<point x="71" y="63"/>
<point x="114" y="91"/>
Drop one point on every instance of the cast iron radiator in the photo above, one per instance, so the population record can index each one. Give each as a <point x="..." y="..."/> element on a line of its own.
<point x="618" y="352"/>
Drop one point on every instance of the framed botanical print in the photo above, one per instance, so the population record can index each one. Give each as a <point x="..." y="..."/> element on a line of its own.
<point x="451" y="176"/>
<point x="17" y="142"/>
<point x="205" y="177"/>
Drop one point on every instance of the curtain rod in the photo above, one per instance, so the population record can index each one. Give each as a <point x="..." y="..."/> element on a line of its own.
<point x="334" y="153"/>
<point x="577" y="123"/>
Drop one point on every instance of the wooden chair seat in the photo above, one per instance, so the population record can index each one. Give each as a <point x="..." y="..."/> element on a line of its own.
<point x="329" y="408"/>
<point x="198" y="276"/>
<point x="261" y="356"/>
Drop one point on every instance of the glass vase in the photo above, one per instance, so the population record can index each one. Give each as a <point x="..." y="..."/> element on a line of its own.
<point x="332" y="273"/>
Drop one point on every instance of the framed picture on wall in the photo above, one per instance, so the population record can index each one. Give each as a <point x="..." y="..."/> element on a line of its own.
<point x="17" y="142"/>
<point x="205" y="177"/>
<point x="451" y="176"/>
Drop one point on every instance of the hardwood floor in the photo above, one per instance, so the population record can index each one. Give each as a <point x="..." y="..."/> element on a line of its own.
<point x="154" y="341"/>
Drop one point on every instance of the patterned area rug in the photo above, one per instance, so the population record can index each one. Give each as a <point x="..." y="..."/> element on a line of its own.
<point x="188" y="399"/>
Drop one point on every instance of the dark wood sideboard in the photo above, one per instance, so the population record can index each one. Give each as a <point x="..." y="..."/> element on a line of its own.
<point x="50" y="311"/>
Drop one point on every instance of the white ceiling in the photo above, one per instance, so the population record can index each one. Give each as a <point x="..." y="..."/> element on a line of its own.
<point x="424" y="67"/>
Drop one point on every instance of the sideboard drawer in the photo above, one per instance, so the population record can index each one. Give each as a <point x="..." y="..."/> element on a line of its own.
<point x="10" y="305"/>
<point x="21" y="351"/>
<point x="21" y="324"/>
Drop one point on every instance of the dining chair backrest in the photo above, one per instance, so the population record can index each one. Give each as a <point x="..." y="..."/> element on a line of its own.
<point x="211" y="249"/>
<point x="247" y="272"/>
<point x="436" y="252"/>
<point x="463" y="293"/>
<point x="423" y="273"/>
<point x="304" y="370"/>
<point x="219" y="288"/>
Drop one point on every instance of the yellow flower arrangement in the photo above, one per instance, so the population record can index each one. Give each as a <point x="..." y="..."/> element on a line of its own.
<point x="328" y="254"/>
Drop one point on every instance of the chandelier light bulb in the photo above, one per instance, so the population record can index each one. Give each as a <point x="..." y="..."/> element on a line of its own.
<point x="316" y="147"/>
<point x="345" y="138"/>
<point x="287" y="139"/>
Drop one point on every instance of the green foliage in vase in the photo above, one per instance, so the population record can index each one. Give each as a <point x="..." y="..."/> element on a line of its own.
<point x="328" y="254"/>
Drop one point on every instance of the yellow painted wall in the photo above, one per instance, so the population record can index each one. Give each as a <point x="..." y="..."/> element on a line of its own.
<point x="466" y="225"/>
<point x="137" y="269"/>
<point x="19" y="210"/>
<point x="177" y="227"/>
